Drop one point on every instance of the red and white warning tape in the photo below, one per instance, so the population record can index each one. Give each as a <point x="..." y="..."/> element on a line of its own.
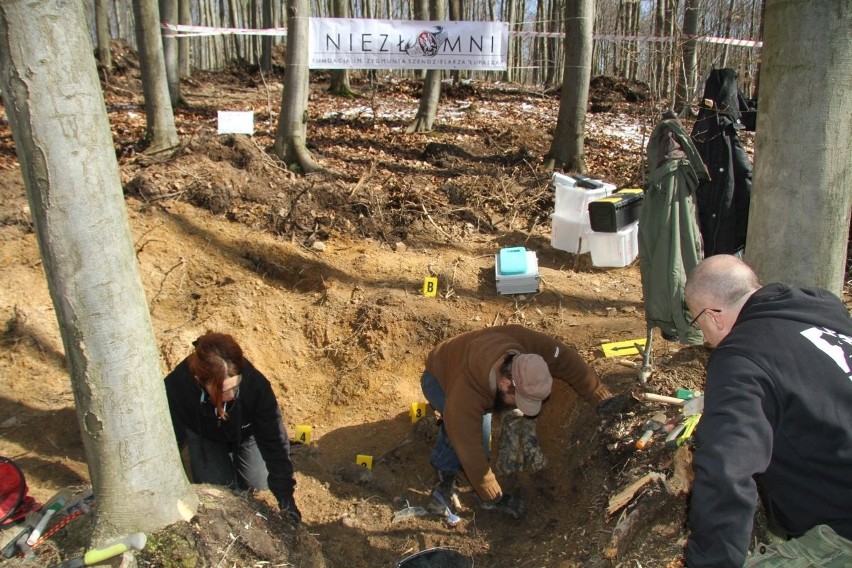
<point x="186" y="31"/>
<point x="182" y="30"/>
<point x="647" y="38"/>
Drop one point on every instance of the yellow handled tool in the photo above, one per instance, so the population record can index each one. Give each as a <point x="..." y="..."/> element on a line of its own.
<point x="136" y="541"/>
<point x="682" y="431"/>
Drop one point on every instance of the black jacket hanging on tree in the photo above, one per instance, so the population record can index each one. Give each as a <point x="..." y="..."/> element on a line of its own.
<point x="723" y="200"/>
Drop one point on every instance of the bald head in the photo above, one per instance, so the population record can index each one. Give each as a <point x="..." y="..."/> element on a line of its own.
<point x="723" y="280"/>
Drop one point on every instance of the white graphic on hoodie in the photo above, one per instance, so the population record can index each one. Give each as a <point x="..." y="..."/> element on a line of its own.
<point x="835" y="345"/>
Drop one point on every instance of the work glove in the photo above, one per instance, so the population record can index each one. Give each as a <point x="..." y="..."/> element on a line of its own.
<point x="614" y="405"/>
<point x="290" y="511"/>
<point x="511" y="505"/>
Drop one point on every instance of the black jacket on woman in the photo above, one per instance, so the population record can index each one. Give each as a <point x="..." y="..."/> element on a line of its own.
<point x="254" y="412"/>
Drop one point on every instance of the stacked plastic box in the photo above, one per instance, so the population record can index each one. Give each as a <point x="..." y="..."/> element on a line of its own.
<point x="614" y="240"/>
<point x="614" y="250"/>
<point x="516" y="271"/>
<point x="570" y="225"/>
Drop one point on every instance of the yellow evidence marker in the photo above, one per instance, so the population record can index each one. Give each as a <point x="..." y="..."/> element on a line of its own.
<point x="417" y="411"/>
<point x="366" y="461"/>
<point x="430" y="286"/>
<point x="303" y="434"/>
<point x="622" y="348"/>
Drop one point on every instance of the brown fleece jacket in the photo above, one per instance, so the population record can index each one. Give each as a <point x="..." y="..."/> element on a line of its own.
<point x="462" y="365"/>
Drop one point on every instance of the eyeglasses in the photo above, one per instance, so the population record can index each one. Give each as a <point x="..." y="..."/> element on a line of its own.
<point x="693" y="321"/>
<point x="234" y="389"/>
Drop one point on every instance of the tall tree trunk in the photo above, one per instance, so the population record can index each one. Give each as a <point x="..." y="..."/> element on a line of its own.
<point x="729" y="18"/>
<point x="119" y="21"/>
<point x="291" y="137"/>
<point x="455" y="8"/>
<point x="369" y="13"/>
<point x="420" y="9"/>
<point x="102" y="27"/>
<point x="517" y="46"/>
<point x="802" y="193"/>
<point x="635" y="24"/>
<point x="566" y="149"/>
<point x="633" y="46"/>
<point x="252" y="22"/>
<point x="755" y="93"/>
<point x="658" y="83"/>
<point x="169" y="15"/>
<point x="161" y="132"/>
<point x="431" y="85"/>
<point x="539" y="45"/>
<point x="687" y="76"/>
<point x="236" y="21"/>
<point x="266" y="41"/>
<point x="669" y="81"/>
<point x="63" y="140"/>
<point x="552" y="44"/>
<point x="620" y="65"/>
<point x="340" y="77"/>
<point x="509" y="74"/>
<point x="184" y="53"/>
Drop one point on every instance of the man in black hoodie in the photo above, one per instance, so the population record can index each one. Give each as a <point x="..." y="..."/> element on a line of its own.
<point x="778" y="412"/>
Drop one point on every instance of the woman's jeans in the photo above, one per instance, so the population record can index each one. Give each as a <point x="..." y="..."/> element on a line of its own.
<point x="214" y="463"/>
<point x="443" y="456"/>
<point x="820" y="547"/>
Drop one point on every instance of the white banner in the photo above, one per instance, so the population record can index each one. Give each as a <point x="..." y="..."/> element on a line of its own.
<point x="338" y="43"/>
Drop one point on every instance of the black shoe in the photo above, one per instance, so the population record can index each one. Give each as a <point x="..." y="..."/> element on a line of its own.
<point x="449" y="491"/>
<point x="446" y="482"/>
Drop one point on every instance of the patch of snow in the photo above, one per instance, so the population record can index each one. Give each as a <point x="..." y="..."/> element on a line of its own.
<point x="618" y="126"/>
<point x="632" y="132"/>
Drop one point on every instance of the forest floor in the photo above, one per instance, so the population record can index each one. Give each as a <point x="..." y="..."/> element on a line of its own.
<point x="320" y="279"/>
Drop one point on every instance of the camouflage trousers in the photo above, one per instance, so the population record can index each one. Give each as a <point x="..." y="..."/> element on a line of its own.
<point x="519" y="449"/>
<point x="820" y="547"/>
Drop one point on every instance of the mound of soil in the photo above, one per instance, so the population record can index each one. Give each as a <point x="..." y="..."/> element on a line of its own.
<point x="606" y="92"/>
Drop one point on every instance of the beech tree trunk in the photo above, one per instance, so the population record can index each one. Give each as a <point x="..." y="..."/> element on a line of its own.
<point x="566" y="150"/>
<point x="62" y="136"/>
<point x="161" y="132"/>
<point x="102" y="33"/>
<point x="291" y="136"/>
<point x="425" y="117"/>
<point x="686" y="76"/>
<point x="184" y="53"/>
<point x="169" y="14"/>
<point x="268" y="21"/>
<point x="802" y="192"/>
<point x="340" y="77"/>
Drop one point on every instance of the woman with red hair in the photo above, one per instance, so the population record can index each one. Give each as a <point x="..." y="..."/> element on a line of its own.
<point x="224" y="411"/>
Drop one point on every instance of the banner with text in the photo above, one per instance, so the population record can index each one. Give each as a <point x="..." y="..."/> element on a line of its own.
<point x="340" y="43"/>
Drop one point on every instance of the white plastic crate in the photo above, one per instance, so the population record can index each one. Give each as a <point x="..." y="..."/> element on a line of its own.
<point x="571" y="201"/>
<point x="565" y="234"/>
<point x="561" y="179"/>
<point x="615" y="250"/>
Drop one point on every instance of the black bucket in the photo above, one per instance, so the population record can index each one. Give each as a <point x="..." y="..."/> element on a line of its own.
<point x="436" y="558"/>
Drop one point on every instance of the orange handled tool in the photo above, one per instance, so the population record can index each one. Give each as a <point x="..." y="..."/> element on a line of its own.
<point x="655" y="423"/>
